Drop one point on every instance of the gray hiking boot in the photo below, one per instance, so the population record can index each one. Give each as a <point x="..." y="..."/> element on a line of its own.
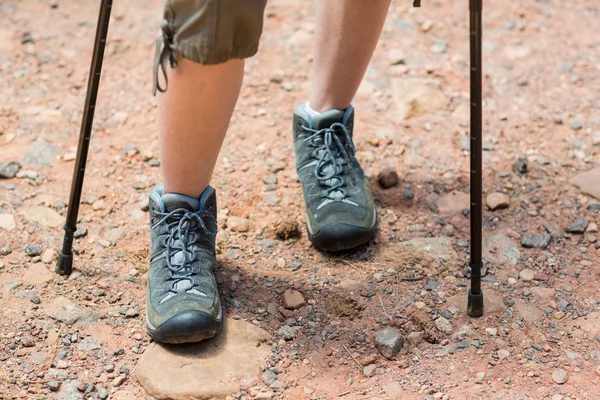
<point x="182" y="301"/>
<point x="340" y="210"/>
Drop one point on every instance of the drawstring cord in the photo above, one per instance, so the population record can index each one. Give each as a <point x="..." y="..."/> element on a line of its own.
<point x="163" y="55"/>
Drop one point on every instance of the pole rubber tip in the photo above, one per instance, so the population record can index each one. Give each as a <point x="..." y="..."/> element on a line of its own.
<point x="475" y="304"/>
<point x="64" y="266"/>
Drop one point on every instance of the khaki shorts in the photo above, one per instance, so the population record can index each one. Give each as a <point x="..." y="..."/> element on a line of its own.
<point x="208" y="32"/>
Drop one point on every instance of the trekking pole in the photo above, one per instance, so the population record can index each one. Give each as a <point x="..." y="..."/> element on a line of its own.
<point x="475" y="299"/>
<point x="64" y="265"/>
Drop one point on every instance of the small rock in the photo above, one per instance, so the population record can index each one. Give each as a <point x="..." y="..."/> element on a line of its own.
<point x="578" y="226"/>
<point x="293" y="299"/>
<point x="89" y="344"/>
<point x="576" y="124"/>
<point x="33" y="250"/>
<point x="286" y="332"/>
<point x="479" y="377"/>
<point x="589" y="183"/>
<point x="114" y="235"/>
<point x="9" y="170"/>
<point x="592" y="227"/>
<point x="394" y="391"/>
<point x="369" y="370"/>
<point x="7" y="222"/>
<point x="497" y="201"/>
<point x="48" y="256"/>
<point x="526" y="275"/>
<point x="520" y="165"/>
<point x="453" y="202"/>
<point x="503" y="353"/>
<point x="491" y="331"/>
<point x="28" y="341"/>
<point x="388" y="178"/>
<point x="389" y="342"/>
<point x="443" y="325"/>
<point x="536" y="241"/>
<point x="414" y="338"/>
<point x="560" y="376"/>
<point x="270" y="179"/>
<point x="64" y="310"/>
<point x="35" y="299"/>
<point x="118" y="381"/>
<point x="308" y="390"/>
<point x="44" y="216"/>
<point x="238" y="224"/>
<point x="132" y="312"/>
<point x="53" y="385"/>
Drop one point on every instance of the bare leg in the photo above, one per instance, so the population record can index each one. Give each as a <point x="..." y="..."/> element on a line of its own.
<point x="193" y="117"/>
<point x="346" y="37"/>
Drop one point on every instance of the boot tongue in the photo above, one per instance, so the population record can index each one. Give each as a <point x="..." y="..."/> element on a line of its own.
<point x="326" y="119"/>
<point x="174" y="201"/>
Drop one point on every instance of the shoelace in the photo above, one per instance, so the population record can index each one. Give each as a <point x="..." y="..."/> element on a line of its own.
<point x="327" y="151"/>
<point x="183" y="222"/>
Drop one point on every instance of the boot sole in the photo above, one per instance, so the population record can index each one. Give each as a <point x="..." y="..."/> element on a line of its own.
<point x="338" y="236"/>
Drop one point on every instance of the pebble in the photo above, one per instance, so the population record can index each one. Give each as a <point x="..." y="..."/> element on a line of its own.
<point x="577" y="226"/>
<point x="6" y="250"/>
<point x="576" y="124"/>
<point x="48" y="256"/>
<point x="238" y="224"/>
<point x="9" y="170"/>
<point x="132" y="312"/>
<point x="88" y="344"/>
<point x="35" y="299"/>
<point x="497" y="201"/>
<point x="389" y="342"/>
<point x="53" y="385"/>
<point x="270" y="179"/>
<point x="491" y="331"/>
<point x="118" y="381"/>
<point x="479" y="377"/>
<point x="503" y="353"/>
<point x="536" y="241"/>
<point x="443" y="325"/>
<point x="286" y="332"/>
<point x="7" y="222"/>
<point x="592" y="228"/>
<point x="414" y="338"/>
<point x="40" y="154"/>
<point x="560" y="376"/>
<point x="388" y="178"/>
<point x="369" y="370"/>
<point x="520" y="165"/>
<point x="80" y="232"/>
<point x="293" y="299"/>
<point x="28" y="341"/>
<point x="527" y="275"/>
<point x="33" y="250"/>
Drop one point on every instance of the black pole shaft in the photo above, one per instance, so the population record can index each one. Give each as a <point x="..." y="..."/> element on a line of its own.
<point x="475" y="305"/>
<point x="65" y="259"/>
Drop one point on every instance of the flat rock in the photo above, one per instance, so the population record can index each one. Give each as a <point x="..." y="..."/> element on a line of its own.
<point x="590" y="324"/>
<point x="389" y="342"/>
<point x="40" y="154"/>
<point x="543" y="292"/>
<point x="206" y="370"/>
<point x="44" y="216"/>
<point x="68" y="312"/>
<point x="88" y="344"/>
<point x="529" y="312"/>
<point x="415" y="97"/>
<point x="37" y="274"/>
<point x="444" y="325"/>
<point x="414" y="338"/>
<point x="7" y="222"/>
<point x="114" y="235"/>
<point x="293" y="299"/>
<point x="588" y="182"/>
<point x="497" y="201"/>
<point x="536" y="241"/>
<point x="48" y="256"/>
<point x="492" y="302"/>
<point x="500" y="250"/>
<point x="453" y="202"/>
<point x="435" y="254"/>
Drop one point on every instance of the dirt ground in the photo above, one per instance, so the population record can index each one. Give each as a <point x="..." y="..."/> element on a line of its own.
<point x="540" y="337"/>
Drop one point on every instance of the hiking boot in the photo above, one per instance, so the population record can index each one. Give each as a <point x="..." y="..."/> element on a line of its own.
<point x="340" y="210"/>
<point x="182" y="301"/>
